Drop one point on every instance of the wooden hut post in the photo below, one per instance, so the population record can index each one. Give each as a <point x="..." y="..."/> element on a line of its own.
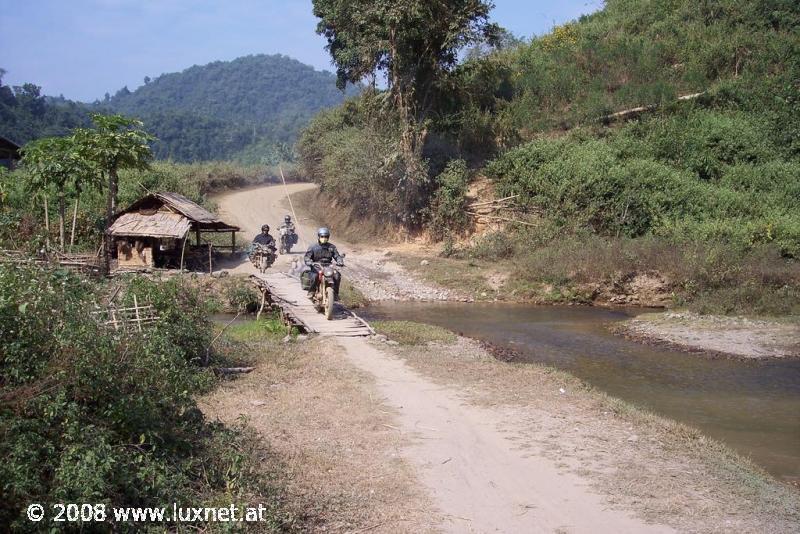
<point x="197" y="234"/>
<point x="183" y="249"/>
<point x="210" y="266"/>
<point x="233" y="242"/>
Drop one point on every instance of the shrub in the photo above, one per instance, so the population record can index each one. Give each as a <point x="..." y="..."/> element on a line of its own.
<point x="699" y="176"/>
<point x="90" y="414"/>
<point x="448" y="207"/>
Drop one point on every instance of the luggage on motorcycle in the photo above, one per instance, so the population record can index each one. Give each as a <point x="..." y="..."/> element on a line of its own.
<point x="294" y="238"/>
<point x="307" y="280"/>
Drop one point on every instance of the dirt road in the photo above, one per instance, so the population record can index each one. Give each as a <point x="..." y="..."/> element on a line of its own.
<point x="478" y="480"/>
<point x="372" y="270"/>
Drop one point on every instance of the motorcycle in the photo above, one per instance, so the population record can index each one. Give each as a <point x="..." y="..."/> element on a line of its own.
<point x="262" y="256"/>
<point x="288" y="238"/>
<point x="325" y="294"/>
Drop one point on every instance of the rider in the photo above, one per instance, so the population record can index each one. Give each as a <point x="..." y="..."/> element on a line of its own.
<point x="264" y="238"/>
<point x="324" y="253"/>
<point x="288" y="224"/>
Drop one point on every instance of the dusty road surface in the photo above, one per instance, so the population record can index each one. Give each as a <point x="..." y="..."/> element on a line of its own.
<point x="251" y="208"/>
<point x="478" y="479"/>
<point x="372" y="270"/>
<point x="469" y="472"/>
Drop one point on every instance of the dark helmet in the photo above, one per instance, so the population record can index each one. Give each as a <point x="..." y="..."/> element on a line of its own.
<point x="265" y="228"/>
<point x="287" y="219"/>
<point x="323" y="232"/>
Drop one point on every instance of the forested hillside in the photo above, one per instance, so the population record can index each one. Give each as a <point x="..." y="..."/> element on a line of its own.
<point x="250" y="109"/>
<point x="216" y="110"/>
<point x="26" y="114"/>
<point x="686" y="187"/>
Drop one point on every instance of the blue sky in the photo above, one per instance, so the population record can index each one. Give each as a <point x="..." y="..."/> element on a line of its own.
<point x="84" y="48"/>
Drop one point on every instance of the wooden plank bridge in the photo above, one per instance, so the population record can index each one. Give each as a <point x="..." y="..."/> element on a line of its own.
<point x="283" y="291"/>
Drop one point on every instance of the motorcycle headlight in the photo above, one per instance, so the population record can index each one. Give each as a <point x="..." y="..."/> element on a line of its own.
<point x="328" y="272"/>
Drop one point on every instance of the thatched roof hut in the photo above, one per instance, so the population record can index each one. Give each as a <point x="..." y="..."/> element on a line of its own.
<point x="153" y="228"/>
<point x="9" y="152"/>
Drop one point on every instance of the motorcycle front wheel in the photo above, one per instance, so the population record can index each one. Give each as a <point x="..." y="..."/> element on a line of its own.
<point x="329" y="303"/>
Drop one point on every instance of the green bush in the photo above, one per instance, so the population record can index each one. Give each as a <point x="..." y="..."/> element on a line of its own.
<point x="698" y="176"/>
<point x="90" y="414"/>
<point x="448" y="207"/>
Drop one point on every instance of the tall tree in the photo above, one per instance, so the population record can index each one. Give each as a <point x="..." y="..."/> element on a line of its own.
<point x="57" y="161"/>
<point x="413" y="42"/>
<point x="116" y="142"/>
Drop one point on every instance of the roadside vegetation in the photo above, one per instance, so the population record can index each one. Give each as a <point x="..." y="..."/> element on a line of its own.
<point x="22" y="199"/>
<point x="700" y="191"/>
<point x="97" y="415"/>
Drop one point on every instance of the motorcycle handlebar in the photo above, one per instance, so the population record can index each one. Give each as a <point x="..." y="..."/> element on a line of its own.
<point x="321" y="266"/>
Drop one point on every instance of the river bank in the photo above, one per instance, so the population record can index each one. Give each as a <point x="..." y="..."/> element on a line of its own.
<point x="715" y="336"/>
<point x="417" y="270"/>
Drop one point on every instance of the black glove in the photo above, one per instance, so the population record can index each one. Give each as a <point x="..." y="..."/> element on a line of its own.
<point x="340" y="263"/>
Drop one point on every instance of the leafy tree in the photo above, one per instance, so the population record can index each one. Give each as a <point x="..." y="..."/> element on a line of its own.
<point x="414" y="42"/>
<point x="116" y="143"/>
<point x="57" y="161"/>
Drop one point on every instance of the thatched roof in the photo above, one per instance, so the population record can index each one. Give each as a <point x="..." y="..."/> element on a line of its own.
<point x="175" y="204"/>
<point x="159" y="224"/>
<point x="8" y="144"/>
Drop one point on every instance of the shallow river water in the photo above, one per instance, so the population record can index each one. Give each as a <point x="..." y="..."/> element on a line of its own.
<point x="754" y="407"/>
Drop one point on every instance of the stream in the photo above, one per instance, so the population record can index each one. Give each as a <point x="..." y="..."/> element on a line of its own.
<point x="752" y="406"/>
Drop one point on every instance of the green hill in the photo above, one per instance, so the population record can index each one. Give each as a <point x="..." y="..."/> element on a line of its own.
<point x="26" y="114"/>
<point x="250" y="109"/>
<point x="214" y="111"/>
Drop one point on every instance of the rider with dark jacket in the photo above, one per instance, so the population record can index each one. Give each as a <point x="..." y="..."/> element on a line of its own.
<point x="324" y="253"/>
<point x="264" y="238"/>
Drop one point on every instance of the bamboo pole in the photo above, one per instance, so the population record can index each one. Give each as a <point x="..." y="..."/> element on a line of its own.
<point x="495" y="201"/>
<point x="263" y="301"/>
<point x="46" y="222"/>
<point x="642" y="109"/>
<point x="136" y="311"/>
<point x="208" y="349"/>
<point x="501" y="218"/>
<point x="74" y="221"/>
